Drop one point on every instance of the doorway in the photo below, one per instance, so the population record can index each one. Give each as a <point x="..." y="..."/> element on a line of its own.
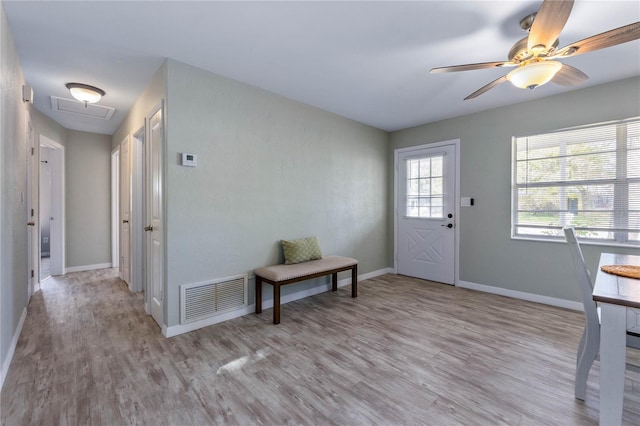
<point x="115" y="208"/>
<point x="51" y="201"/>
<point x="426" y="188"/>
<point x="45" y="214"/>
<point x="128" y="207"/>
<point x="137" y="182"/>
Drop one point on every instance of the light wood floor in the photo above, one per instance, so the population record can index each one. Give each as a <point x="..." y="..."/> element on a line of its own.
<point x="404" y="352"/>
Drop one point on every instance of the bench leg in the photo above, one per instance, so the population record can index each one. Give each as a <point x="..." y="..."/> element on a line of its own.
<point x="354" y="281"/>
<point x="258" y="295"/>
<point x="276" y="303"/>
<point x="334" y="281"/>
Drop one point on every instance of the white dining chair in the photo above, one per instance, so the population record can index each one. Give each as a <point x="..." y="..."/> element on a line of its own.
<point x="590" y="342"/>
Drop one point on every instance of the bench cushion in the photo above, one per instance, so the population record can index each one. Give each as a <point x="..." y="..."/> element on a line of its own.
<point x="286" y="272"/>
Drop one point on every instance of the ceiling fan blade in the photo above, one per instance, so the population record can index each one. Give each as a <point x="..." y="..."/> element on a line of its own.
<point x="469" y="67"/>
<point x="569" y="76"/>
<point x="607" y="39"/>
<point x="548" y="23"/>
<point x="489" y="86"/>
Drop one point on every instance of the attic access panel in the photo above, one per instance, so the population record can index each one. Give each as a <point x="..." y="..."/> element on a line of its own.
<point x="79" y="108"/>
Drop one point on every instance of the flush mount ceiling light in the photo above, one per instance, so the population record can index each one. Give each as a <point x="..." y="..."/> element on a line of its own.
<point x="85" y="93"/>
<point x="534" y="74"/>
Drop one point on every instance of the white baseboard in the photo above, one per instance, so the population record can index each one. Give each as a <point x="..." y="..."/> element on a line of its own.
<point x="12" y="348"/>
<point x="545" y="300"/>
<point x="373" y="274"/>
<point x="175" y="330"/>
<point x="87" y="267"/>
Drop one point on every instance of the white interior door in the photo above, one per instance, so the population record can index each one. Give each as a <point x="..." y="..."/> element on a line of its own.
<point x="137" y="212"/>
<point x="426" y="186"/>
<point x="125" y="212"/>
<point x="154" y="228"/>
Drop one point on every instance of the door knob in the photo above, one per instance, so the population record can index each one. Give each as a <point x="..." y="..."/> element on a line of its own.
<point x="148" y="228"/>
<point x="31" y="223"/>
<point x="448" y="225"/>
<point x="125" y="221"/>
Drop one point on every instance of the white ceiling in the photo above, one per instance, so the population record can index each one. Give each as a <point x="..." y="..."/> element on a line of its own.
<point x="365" y="60"/>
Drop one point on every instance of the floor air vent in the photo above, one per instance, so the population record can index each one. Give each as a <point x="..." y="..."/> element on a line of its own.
<point x="208" y="299"/>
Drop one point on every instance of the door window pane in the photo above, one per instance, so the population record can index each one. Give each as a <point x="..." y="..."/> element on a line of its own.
<point x="425" y="187"/>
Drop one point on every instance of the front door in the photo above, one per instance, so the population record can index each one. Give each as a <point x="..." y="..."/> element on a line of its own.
<point x="426" y="185"/>
<point x="154" y="228"/>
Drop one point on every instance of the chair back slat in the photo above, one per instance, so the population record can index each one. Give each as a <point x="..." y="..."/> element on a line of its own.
<point x="585" y="283"/>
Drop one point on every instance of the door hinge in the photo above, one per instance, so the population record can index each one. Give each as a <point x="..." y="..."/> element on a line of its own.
<point x="32" y="212"/>
<point x="33" y="150"/>
<point x="32" y="273"/>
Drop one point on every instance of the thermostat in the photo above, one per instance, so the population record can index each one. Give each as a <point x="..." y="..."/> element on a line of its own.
<point x="189" y="160"/>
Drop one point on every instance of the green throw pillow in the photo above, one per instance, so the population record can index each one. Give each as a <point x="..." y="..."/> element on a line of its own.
<point x="298" y="251"/>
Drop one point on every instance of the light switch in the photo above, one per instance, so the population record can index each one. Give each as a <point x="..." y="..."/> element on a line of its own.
<point x="189" y="160"/>
<point x="466" y="201"/>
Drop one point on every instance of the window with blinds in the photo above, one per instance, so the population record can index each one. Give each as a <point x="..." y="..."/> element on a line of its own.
<point x="587" y="177"/>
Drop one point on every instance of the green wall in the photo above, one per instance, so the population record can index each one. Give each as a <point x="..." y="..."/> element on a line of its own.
<point x="488" y="255"/>
<point x="269" y="168"/>
<point x="13" y="187"/>
<point x="87" y="199"/>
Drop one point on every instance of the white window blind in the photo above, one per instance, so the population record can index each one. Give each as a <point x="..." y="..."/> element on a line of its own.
<point x="587" y="177"/>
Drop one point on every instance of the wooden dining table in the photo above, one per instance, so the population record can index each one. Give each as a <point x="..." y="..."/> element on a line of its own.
<point x="615" y="294"/>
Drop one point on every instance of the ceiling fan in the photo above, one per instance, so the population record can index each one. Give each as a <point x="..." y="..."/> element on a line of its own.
<point x="535" y="56"/>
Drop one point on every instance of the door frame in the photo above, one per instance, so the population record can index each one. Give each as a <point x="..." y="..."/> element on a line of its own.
<point x="115" y="207"/>
<point x="57" y="240"/>
<point x="32" y="208"/>
<point x="124" y="190"/>
<point x="138" y="264"/>
<point x="396" y="154"/>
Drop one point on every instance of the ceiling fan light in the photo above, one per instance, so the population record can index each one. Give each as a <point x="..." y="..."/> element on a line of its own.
<point x="85" y="93"/>
<point x="534" y="74"/>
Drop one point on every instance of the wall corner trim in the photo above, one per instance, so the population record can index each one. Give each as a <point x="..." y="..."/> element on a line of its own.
<point x="537" y="298"/>
<point x="12" y="348"/>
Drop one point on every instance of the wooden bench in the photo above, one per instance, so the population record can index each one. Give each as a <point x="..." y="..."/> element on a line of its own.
<point x="279" y="275"/>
